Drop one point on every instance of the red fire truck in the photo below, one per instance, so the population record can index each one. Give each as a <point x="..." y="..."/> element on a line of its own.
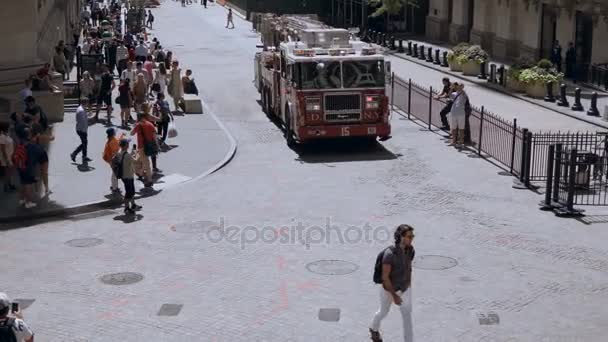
<point x="319" y="82"/>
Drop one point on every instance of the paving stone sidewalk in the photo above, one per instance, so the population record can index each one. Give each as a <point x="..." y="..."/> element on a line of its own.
<point x="539" y="113"/>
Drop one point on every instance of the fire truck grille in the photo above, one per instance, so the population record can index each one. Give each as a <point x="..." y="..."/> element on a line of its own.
<point x="343" y="117"/>
<point x="343" y="104"/>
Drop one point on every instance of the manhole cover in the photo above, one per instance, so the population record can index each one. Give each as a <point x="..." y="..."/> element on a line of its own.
<point x="124" y="278"/>
<point x="434" y="262"/>
<point x="332" y="267"/>
<point x="87" y="242"/>
<point x="196" y="227"/>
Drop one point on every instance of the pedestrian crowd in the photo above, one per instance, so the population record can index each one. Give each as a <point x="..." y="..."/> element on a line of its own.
<point x="145" y="74"/>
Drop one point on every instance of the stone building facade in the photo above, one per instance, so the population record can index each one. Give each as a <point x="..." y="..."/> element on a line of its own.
<point x="512" y="28"/>
<point x="30" y="31"/>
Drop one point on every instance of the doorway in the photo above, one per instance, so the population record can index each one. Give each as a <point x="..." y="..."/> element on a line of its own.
<point x="583" y="42"/>
<point x="548" y="30"/>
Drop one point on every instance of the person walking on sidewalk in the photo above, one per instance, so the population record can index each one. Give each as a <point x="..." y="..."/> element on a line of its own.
<point x="122" y="55"/>
<point x="125" y="100"/>
<point x="571" y="62"/>
<point x="148" y="146"/>
<point x="229" y="19"/>
<point x="445" y="94"/>
<point x="150" y="20"/>
<point x="105" y="93"/>
<point x="82" y="128"/>
<point x="176" y="88"/>
<point x="556" y="56"/>
<point x="7" y="147"/>
<point x="204" y="3"/>
<point x="125" y="166"/>
<point x="163" y="111"/>
<point x="394" y="265"/>
<point x="26" y="159"/>
<point x="109" y="152"/>
<point x="458" y="115"/>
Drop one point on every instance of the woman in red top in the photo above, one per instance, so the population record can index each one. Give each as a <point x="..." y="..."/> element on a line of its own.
<point x="146" y="136"/>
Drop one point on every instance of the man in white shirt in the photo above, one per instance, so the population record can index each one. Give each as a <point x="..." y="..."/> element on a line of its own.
<point x="13" y="324"/>
<point x="129" y="73"/>
<point x="141" y="52"/>
<point x="122" y="56"/>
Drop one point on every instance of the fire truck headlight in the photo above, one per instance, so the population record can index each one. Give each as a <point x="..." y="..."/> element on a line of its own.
<point x="313" y="104"/>
<point x="372" y="102"/>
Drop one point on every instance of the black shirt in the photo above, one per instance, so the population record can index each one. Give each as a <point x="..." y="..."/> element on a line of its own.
<point x="106" y="83"/>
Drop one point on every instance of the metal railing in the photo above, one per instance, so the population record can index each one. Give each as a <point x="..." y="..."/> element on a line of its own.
<point x="500" y="139"/>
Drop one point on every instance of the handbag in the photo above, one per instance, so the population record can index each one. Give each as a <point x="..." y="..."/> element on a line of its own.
<point x="150" y="147"/>
<point x="172" y="132"/>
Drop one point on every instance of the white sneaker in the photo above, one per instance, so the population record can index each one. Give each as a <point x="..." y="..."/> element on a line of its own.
<point x="30" y="205"/>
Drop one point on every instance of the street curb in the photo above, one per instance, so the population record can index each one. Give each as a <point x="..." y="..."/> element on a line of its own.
<point x="498" y="89"/>
<point x="88" y="207"/>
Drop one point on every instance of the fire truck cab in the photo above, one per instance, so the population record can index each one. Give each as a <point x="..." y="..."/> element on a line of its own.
<point x="323" y="84"/>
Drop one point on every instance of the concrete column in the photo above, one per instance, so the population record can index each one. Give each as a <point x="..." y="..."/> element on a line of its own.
<point x="530" y="31"/>
<point x="599" y="52"/>
<point x="484" y="24"/>
<point x="506" y="41"/>
<point x="458" y="27"/>
<point x="437" y="22"/>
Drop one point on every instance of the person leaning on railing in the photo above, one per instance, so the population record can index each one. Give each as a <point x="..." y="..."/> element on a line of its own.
<point x="445" y="94"/>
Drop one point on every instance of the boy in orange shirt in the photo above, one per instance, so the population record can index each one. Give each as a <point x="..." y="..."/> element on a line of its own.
<point x="112" y="147"/>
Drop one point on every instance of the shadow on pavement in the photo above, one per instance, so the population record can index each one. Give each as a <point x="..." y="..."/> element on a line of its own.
<point x="129" y="218"/>
<point x="343" y="150"/>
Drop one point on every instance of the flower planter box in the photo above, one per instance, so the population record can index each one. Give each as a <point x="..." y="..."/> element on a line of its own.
<point x="471" y="68"/>
<point x="536" y="90"/>
<point x="455" y="66"/>
<point x="516" y="85"/>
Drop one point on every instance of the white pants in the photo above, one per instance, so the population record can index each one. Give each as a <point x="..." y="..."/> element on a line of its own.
<point x="406" y="312"/>
<point x="114" y="180"/>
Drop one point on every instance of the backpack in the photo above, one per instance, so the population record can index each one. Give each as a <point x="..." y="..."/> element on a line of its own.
<point x="117" y="163"/>
<point x="378" y="266"/>
<point x="20" y="157"/>
<point x="7" y="334"/>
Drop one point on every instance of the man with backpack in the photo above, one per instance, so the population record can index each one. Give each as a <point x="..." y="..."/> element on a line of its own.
<point x="12" y="326"/>
<point x="393" y="270"/>
<point x="123" y="167"/>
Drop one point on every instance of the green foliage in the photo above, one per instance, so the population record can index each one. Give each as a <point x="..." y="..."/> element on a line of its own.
<point x="523" y="63"/>
<point x="544" y="64"/>
<point x="540" y="75"/>
<point x="477" y="54"/>
<point x="461" y="48"/>
<point x="390" y="7"/>
<point x="452" y="57"/>
<point x="462" y="59"/>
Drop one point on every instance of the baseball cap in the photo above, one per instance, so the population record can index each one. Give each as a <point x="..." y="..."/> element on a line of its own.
<point x="5" y="301"/>
<point x="124" y="141"/>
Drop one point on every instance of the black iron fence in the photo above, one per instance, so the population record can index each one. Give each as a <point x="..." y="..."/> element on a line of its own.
<point x="500" y="139"/>
<point x="575" y="177"/>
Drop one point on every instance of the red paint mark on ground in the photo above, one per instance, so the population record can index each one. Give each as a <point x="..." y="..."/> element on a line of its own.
<point x="308" y="285"/>
<point x="281" y="262"/>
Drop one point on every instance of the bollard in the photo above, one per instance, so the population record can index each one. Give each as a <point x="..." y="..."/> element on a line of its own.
<point x="444" y="62"/>
<point x="401" y="49"/>
<point x="549" y="97"/>
<point x="577" y="106"/>
<point x="501" y="75"/>
<point x="429" y="55"/>
<point x="593" y="111"/>
<point x="409" y="48"/>
<point x="415" y="54"/>
<point x="483" y="72"/>
<point x="563" y="100"/>
<point x="437" y="59"/>
<point x="393" y="46"/>
<point x="421" y="55"/>
<point x="492" y="78"/>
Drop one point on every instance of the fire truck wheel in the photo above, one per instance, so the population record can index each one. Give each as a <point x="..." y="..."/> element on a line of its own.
<point x="291" y="141"/>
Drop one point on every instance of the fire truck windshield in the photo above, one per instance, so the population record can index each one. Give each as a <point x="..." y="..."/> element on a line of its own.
<point x="361" y="74"/>
<point x="340" y="74"/>
<point x="319" y="75"/>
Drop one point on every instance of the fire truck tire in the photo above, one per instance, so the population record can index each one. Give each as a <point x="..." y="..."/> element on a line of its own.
<point x="291" y="141"/>
<point x="264" y="101"/>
